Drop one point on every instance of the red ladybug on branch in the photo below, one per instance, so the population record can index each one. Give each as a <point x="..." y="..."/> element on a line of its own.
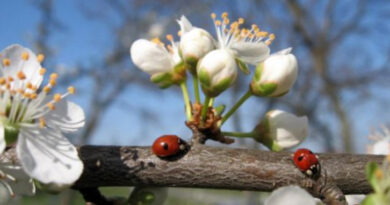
<point x="168" y="146"/>
<point x="307" y="162"/>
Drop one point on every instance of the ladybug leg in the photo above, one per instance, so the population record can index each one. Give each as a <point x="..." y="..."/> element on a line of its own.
<point x="309" y="172"/>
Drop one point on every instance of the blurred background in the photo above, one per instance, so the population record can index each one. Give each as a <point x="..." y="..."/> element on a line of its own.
<point x="343" y="50"/>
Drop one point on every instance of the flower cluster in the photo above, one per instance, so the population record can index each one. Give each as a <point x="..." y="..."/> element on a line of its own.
<point x="33" y="120"/>
<point x="214" y="63"/>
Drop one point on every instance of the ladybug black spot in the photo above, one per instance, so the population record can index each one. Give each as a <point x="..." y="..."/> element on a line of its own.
<point x="300" y="158"/>
<point x="165" y="146"/>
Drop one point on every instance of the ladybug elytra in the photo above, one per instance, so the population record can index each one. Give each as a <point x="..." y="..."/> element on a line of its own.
<point x="168" y="145"/>
<point x="306" y="161"/>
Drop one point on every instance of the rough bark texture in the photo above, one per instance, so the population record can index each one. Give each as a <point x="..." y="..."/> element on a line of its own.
<point x="217" y="167"/>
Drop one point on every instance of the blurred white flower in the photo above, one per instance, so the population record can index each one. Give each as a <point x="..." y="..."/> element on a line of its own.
<point x="35" y="121"/>
<point x="163" y="64"/>
<point x="194" y="42"/>
<point x="381" y="146"/>
<point x="281" y="130"/>
<point x="291" y="195"/>
<point x="276" y="75"/>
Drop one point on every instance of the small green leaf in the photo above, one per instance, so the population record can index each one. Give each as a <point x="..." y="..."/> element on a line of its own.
<point x="220" y="109"/>
<point x="258" y="72"/>
<point x="371" y="169"/>
<point x="204" y="77"/>
<point x="374" y="199"/>
<point x="158" y="78"/>
<point x="243" y="67"/>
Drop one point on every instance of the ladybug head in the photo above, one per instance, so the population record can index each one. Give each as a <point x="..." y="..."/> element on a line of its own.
<point x="307" y="162"/>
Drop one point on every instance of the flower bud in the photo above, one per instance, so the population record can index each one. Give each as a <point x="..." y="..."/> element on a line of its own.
<point x="281" y="130"/>
<point x="275" y="76"/>
<point x="217" y="71"/>
<point x="165" y="68"/>
<point x="194" y="42"/>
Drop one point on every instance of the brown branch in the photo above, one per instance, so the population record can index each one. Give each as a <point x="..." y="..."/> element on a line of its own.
<point x="218" y="167"/>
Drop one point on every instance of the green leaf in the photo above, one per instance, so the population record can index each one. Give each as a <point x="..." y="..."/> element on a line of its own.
<point x="243" y="66"/>
<point x="220" y="109"/>
<point x="374" y="199"/>
<point x="160" y="77"/>
<point x="371" y="169"/>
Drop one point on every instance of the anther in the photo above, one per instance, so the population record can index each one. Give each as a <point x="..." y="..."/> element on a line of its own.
<point x="241" y="21"/>
<point x="25" y="56"/>
<point x="6" y="62"/>
<point x="46" y="89"/>
<point x="54" y="76"/>
<point x="42" y="71"/>
<point x="224" y="15"/>
<point x="33" y="96"/>
<point x="57" y="97"/>
<point x="10" y="79"/>
<point x="40" y="58"/>
<point x="20" y="74"/>
<point x="213" y="15"/>
<point x="71" y="90"/>
<point x="218" y="22"/>
<point x="42" y="122"/>
<point x="29" y="85"/>
<point x="169" y="37"/>
<point x="52" y="82"/>
<point x="50" y="106"/>
<point x="2" y="81"/>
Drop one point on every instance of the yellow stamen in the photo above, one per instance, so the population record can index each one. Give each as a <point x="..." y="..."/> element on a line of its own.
<point x="8" y="86"/>
<point x="157" y="41"/>
<point x="50" y="106"/>
<point x="268" y="42"/>
<point x="218" y="22"/>
<point x="20" y="74"/>
<point x="42" y="71"/>
<point x="379" y="174"/>
<point x="179" y="33"/>
<point x="40" y="58"/>
<point x="34" y="88"/>
<point x="25" y="56"/>
<point x="54" y="76"/>
<point x="27" y="95"/>
<point x="213" y="15"/>
<point x="271" y="37"/>
<point x="6" y="62"/>
<point x="169" y="37"/>
<point x="52" y="82"/>
<point x="29" y="85"/>
<point x="226" y="21"/>
<point x="33" y="96"/>
<point x="46" y="89"/>
<point x="57" y="97"/>
<point x="10" y="79"/>
<point x="224" y="15"/>
<point x="21" y="91"/>
<point x="42" y="122"/>
<point x="2" y="81"/>
<point x="71" y="90"/>
<point x="241" y="21"/>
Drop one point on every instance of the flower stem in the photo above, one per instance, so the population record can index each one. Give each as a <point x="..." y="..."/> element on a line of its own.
<point x="205" y="108"/>
<point x="236" y="106"/>
<point x="211" y="103"/>
<point x="240" y="134"/>
<point x="186" y="98"/>
<point x="196" y="88"/>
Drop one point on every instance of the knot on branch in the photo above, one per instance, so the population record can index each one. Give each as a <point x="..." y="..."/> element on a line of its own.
<point x="207" y="129"/>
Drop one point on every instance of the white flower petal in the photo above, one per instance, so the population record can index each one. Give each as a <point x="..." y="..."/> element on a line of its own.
<point x="30" y="67"/>
<point x="287" y="129"/>
<point x="196" y="43"/>
<point x="249" y="52"/>
<point x="291" y="195"/>
<point x="381" y="147"/>
<point x="23" y="185"/>
<point x="2" y="139"/>
<point x="67" y="116"/>
<point x="150" y="57"/>
<point x="185" y="24"/>
<point x="48" y="156"/>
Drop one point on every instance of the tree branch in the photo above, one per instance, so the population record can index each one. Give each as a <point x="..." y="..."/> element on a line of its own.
<point x="218" y="167"/>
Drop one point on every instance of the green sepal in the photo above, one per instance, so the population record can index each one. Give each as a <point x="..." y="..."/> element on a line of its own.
<point x="371" y="169"/>
<point x="375" y="199"/>
<point x="258" y="71"/>
<point x="263" y="135"/>
<point x="163" y="80"/>
<point x="50" y="188"/>
<point x="204" y="77"/>
<point x="191" y="63"/>
<point x="217" y="89"/>
<point x="11" y="133"/>
<point x="220" y="109"/>
<point x="265" y="89"/>
<point x="243" y="66"/>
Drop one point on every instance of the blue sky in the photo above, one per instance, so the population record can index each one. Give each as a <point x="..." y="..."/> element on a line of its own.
<point x="83" y="41"/>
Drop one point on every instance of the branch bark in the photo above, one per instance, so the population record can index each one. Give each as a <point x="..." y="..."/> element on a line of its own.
<point x="218" y="167"/>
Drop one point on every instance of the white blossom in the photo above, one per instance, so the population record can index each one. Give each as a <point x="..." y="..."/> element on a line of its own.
<point x="276" y="75"/>
<point x="291" y="195"/>
<point x="282" y="130"/>
<point x="194" y="42"/>
<point x="35" y="121"/>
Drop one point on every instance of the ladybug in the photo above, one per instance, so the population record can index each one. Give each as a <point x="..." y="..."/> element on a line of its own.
<point x="306" y="161"/>
<point x="168" y="145"/>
